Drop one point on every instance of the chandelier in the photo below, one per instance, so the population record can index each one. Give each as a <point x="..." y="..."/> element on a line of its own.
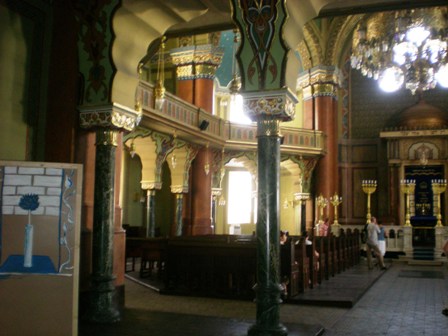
<point x="159" y="90"/>
<point x="403" y="48"/>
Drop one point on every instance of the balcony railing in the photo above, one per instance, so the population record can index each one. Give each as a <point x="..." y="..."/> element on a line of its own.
<point x="185" y="117"/>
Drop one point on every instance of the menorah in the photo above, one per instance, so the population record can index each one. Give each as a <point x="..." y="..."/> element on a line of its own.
<point x="407" y="187"/>
<point x="322" y="202"/>
<point x="335" y="200"/>
<point x="369" y="187"/>
<point x="438" y="187"/>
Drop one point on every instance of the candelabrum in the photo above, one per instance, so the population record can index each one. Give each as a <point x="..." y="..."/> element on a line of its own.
<point x="407" y="188"/>
<point x="335" y="200"/>
<point x="322" y="202"/>
<point x="369" y="187"/>
<point x="438" y="187"/>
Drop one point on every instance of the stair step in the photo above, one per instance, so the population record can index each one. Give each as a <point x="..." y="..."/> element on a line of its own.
<point x="424" y="263"/>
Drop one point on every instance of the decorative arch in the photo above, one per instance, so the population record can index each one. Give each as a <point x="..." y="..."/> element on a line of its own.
<point x="136" y="25"/>
<point x="423" y="151"/>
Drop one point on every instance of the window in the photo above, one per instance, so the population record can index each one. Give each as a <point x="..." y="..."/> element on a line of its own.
<point x="236" y="112"/>
<point x="241" y="203"/>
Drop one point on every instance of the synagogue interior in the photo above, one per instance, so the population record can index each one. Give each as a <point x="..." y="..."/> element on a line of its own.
<point x="199" y="132"/>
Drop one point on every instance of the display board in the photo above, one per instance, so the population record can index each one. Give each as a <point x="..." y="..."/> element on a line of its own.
<point x="40" y="213"/>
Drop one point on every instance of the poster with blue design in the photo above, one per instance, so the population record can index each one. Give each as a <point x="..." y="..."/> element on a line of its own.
<point x="40" y="206"/>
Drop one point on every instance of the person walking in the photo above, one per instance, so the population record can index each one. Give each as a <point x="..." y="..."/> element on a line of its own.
<point x="445" y="251"/>
<point x="372" y="244"/>
<point x="382" y="240"/>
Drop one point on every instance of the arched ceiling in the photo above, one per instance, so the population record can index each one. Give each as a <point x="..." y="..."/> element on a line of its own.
<point x="137" y="23"/>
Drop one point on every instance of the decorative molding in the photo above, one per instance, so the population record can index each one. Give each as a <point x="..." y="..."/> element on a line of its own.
<point x="320" y="75"/>
<point x="151" y="185"/>
<point x="95" y="38"/>
<point x="306" y="166"/>
<point x="179" y="189"/>
<point x="413" y="133"/>
<point x="194" y="62"/>
<point x="185" y="72"/>
<point x="277" y="104"/>
<point x="109" y="116"/>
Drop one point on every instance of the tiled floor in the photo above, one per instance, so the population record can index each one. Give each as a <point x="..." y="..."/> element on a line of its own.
<point x="404" y="300"/>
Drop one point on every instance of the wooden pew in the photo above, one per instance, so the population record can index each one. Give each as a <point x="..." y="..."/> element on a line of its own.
<point x="357" y="246"/>
<point x="153" y="256"/>
<point x="289" y="269"/>
<point x="151" y="252"/>
<point x="322" y="273"/>
<point x="313" y="263"/>
<point x="303" y="264"/>
<point x="219" y="266"/>
<point x="341" y="251"/>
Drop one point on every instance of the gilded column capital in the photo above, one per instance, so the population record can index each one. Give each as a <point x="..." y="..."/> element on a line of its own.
<point x="109" y="116"/>
<point x="320" y="81"/>
<point x="275" y="104"/>
<point x="320" y="90"/>
<point x="107" y="137"/>
<point x="199" y="61"/>
<point x="268" y="127"/>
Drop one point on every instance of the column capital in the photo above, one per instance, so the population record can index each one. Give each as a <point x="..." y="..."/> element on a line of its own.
<point x="109" y="116"/>
<point x="179" y="189"/>
<point x="199" y="61"/>
<point x="319" y="90"/>
<point x="320" y="74"/>
<point x="216" y="192"/>
<point x="275" y="104"/>
<point x="150" y="185"/>
<point x="320" y="81"/>
<point x="301" y="197"/>
<point x="107" y="137"/>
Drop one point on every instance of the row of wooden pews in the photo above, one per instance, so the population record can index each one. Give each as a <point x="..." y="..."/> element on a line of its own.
<point x="226" y="265"/>
<point x="216" y="266"/>
<point x="302" y="269"/>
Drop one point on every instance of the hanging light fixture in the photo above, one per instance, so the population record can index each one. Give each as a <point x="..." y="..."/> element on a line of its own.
<point x="207" y="164"/>
<point x="222" y="200"/>
<point x="138" y="91"/>
<point x="173" y="157"/>
<point x="236" y="100"/>
<point x="159" y="90"/>
<point x="132" y="149"/>
<point x="404" y="48"/>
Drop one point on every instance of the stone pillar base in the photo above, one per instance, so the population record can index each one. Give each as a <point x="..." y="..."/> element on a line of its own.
<point x="103" y="306"/>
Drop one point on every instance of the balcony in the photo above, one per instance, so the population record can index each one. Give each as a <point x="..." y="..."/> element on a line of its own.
<point x="185" y="118"/>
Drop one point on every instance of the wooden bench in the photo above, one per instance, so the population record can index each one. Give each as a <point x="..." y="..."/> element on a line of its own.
<point x="218" y="266"/>
<point x="151" y="252"/>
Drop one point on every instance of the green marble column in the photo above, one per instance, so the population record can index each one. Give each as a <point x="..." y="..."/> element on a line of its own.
<point x="103" y="302"/>
<point x="268" y="288"/>
<point x="150" y="213"/>
<point x="178" y="216"/>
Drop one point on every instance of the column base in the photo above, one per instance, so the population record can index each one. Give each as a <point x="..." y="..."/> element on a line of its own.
<point x="103" y="304"/>
<point x="268" y="312"/>
<point x="257" y="330"/>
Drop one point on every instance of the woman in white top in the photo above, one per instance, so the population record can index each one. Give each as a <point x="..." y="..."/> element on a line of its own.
<point x="372" y="244"/>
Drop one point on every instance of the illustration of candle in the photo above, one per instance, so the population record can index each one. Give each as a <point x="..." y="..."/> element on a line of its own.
<point x="29" y="202"/>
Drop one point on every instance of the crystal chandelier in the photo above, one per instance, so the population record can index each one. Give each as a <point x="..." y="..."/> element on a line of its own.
<point x="404" y="48"/>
